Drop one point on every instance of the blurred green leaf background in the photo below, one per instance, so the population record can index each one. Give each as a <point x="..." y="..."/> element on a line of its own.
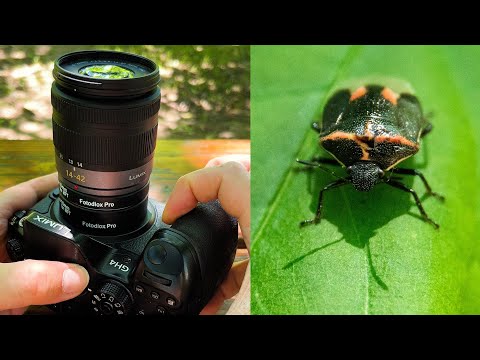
<point x="372" y="253"/>
<point x="205" y="89"/>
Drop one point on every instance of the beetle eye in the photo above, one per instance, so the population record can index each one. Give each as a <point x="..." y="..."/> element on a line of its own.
<point x="349" y="170"/>
<point x="381" y="173"/>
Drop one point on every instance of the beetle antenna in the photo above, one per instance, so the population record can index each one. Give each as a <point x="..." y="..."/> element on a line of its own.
<point x="313" y="164"/>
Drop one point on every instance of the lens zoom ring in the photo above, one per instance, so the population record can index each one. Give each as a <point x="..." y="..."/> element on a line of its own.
<point x="104" y="150"/>
<point x="73" y="112"/>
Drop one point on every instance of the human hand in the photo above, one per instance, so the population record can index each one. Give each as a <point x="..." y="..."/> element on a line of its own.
<point x="33" y="282"/>
<point x="228" y="180"/>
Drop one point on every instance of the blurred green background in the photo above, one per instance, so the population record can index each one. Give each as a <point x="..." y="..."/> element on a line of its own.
<point x="205" y="89"/>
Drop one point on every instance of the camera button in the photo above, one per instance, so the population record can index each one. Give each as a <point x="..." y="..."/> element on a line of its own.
<point x="155" y="295"/>
<point x="161" y="310"/>
<point x="139" y="289"/>
<point x="157" y="254"/>
<point x="54" y="194"/>
<point x="171" y="302"/>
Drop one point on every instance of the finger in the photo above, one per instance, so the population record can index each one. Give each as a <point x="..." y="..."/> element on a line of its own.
<point x="18" y="311"/>
<point x="243" y="159"/>
<point x="229" y="288"/>
<point x="241" y="303"/>
<point x="24" y="196"/>
<point x="229" y="183"/>
<point x="35" y="282"/>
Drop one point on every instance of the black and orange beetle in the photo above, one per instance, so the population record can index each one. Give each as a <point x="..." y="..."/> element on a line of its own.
<point x="369" y="131"/>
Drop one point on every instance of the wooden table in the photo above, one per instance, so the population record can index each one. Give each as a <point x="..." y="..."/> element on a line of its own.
<point x="23" y="160"/>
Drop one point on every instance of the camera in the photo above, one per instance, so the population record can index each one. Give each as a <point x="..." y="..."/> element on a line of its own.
<point x="105" y="116"/>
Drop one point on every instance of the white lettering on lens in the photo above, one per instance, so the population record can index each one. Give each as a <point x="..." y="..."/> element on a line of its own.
<point x="99" y="226"/>
<point x="49" y="222"/>
<point x="64" y="191"/>
<point x="93" y="226"/>
<point x="118" y="265"/>
<point x="96" y="204"/>
<point x="133" y="177"/>
<point x="65" y="207"/>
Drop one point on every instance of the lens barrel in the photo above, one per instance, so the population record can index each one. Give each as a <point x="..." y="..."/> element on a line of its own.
<point x="105" y="116"/>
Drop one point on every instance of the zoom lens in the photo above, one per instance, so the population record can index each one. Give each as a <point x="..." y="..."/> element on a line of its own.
<point x="105" y="116"/>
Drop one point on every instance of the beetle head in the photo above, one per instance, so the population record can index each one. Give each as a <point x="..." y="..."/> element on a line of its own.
<point x="364" y="175"/>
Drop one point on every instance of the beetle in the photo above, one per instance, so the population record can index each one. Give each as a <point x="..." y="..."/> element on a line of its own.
<point x="369" y="131"/>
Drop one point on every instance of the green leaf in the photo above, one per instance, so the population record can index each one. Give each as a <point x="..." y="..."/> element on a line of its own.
<point x="371" y="253"/>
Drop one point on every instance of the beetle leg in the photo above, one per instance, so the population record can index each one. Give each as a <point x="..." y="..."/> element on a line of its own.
<point x="426" y="129"/>
<point x="418" y="173"/>
<point x="316" y="164"/>
<point x="322" y="160"/>
<point x="318" y="214"/>
<point x="401" y="186"/>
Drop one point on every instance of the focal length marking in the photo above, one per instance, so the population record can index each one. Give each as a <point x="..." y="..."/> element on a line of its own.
<point x="104" y="180"/>
<point x="73" y="175"/>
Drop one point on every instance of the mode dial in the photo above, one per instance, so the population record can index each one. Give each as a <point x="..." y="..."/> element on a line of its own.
<point x="111" y="299"/>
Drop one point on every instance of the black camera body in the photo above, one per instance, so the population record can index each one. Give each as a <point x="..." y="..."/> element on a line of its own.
<point x="158" y="269"/>
<point x="104" y="121"/>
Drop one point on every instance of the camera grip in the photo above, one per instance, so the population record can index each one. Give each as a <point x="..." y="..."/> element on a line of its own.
<point x="214" y="236"/>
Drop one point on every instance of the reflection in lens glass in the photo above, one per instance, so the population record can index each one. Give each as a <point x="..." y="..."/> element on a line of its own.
<point x="106" y="72"/>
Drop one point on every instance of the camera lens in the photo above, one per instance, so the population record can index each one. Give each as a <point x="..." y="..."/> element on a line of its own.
<point x="105" y="116"/>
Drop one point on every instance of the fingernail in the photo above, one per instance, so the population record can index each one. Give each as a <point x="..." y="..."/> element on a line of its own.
<point x="74" y="279"/>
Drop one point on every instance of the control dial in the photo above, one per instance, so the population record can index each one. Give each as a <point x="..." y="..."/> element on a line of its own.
<point x="15" y="249"/>
<point x="111" y="299"/>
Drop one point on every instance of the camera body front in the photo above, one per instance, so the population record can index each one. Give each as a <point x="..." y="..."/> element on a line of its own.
<point x="154" y="269"/>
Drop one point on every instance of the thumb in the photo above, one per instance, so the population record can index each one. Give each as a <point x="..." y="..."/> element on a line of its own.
<point x="36" y="282"/>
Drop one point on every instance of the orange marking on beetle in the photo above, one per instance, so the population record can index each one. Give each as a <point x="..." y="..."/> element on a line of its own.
<point x="361" y="140"/>
<point x="354" y="137"/>
<point x="396" y="140"/>
<point x="338" y="135"/>
<point x="365" y="154"/>
<point x="358" y="93"/>
<point x="389" y="95"/>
